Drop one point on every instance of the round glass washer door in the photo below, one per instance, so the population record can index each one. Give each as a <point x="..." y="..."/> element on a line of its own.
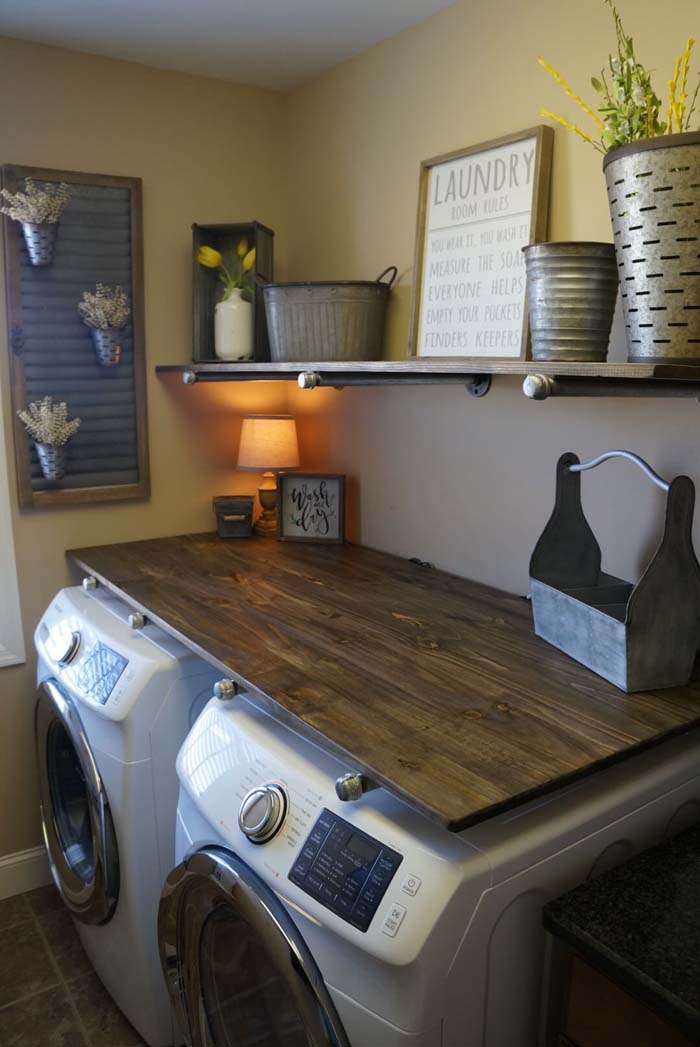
<point x="76" y="819"/>
<point x="237" y="967"/>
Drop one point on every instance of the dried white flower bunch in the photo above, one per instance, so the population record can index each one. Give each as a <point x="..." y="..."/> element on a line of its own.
<point x="47" y="423"/>
<point x="38" y="204"/>
<point x="105" y="308"/>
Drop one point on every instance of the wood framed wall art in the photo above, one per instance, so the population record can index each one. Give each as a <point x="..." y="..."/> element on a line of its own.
<point x="92" y="358"/>
<point x="477" y="208"/>
<point x="311" y="507"/>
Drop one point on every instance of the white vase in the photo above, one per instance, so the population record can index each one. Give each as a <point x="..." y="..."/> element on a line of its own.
<point x="233" y="327"/>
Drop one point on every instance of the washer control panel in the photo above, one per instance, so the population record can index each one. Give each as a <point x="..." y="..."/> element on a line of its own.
<point x="99" y="673"/>
<point x="344" y="869"/>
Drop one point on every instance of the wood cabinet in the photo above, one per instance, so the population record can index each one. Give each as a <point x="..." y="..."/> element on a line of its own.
<point x="598" y="1013"/>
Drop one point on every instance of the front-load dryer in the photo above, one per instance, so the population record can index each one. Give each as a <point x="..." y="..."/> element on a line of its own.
<point x="117" y="697"/>
<point x="297" y="919"/>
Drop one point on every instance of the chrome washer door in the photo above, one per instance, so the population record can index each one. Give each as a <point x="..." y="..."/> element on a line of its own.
<point x="238" y="970"/>
<point x="78" y="828"/>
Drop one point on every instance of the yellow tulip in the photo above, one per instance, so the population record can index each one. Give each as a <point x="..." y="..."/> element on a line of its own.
<point x="210" y="257"/>
<point x="242" y="248"/>
<point x="249" y="260"/>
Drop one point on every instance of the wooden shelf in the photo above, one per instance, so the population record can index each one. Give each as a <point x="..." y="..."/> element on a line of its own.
<point x="563" y="379"/>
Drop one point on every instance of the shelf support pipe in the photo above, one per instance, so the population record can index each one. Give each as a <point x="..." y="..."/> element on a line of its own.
<point x="476" y="384"/>
<point x="544" y="386"/>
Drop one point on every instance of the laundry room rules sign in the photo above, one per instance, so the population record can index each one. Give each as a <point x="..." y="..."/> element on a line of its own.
<point x="478" y="208"/>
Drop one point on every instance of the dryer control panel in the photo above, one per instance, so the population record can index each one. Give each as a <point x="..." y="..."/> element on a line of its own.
<point x="344" y="869"/>
<point x="100" y="671"/>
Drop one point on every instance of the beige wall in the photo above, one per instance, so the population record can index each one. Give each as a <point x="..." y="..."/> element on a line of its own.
<point x="468" y="483"/>
<point x="207" y="152"/>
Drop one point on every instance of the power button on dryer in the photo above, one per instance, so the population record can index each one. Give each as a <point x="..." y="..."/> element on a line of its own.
<point x="411" y="885"/>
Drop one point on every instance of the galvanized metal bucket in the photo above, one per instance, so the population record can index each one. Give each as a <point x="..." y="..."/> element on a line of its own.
<point x="571" y="290"/>
<point x="654" y="196"/>
<point x="326" y="321"/>
<point x="639" y="637"/>
<point x="52" y="461"/>
<point x="40" y="238"/>
<point x="107" y="346"/>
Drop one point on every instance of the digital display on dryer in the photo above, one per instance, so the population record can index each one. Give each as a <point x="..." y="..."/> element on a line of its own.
<point x="100" y="672"/>
<point x="345" y="870"/>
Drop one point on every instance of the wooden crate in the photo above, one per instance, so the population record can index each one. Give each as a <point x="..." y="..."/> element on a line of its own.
<point x="206" y="286"/>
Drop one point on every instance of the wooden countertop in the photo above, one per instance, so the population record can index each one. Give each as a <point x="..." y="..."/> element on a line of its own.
<point x="435" y="686"/>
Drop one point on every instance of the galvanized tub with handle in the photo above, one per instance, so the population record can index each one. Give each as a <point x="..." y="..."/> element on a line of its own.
<point x="639" y="637"/>
<point x="341" y="320"/>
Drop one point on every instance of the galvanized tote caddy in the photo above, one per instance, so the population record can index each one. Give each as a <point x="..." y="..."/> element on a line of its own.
<point x="639" y="637"/>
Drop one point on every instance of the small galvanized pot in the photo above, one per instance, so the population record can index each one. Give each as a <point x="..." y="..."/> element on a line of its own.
<point x="653" y="196"/>
<point x="52" y="461"/>
<point x="107" y="346"/>
<point x="571" y="290"/>
<point x="40" y="238"/>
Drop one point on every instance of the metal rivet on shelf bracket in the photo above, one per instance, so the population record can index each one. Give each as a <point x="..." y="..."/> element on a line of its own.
<point x="309" y="380"/>
<point x="538" y="386"/>
<point x="189" y="377"/>
<point x="479" y="384"/>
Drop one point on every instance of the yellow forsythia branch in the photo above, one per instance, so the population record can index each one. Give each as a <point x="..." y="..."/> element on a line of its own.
<point x="682" y="98"/>
<point x="571" y="93"/>
<point x="672" y="104"/>
<point x="572" y="127"/>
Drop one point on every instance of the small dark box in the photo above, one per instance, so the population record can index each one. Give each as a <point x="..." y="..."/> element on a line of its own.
<point x="234" y="515"/>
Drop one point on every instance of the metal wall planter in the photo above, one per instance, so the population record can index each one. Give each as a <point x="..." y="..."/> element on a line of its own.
<point x="639" y="637"/>
<point x="52" y="461"/>
<point x="39" y="238"/>
<point x="654" y="196"/>
<point x="108" y="346"/>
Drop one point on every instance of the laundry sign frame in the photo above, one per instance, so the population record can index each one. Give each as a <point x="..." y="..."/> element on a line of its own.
<point x="490" y="200"/>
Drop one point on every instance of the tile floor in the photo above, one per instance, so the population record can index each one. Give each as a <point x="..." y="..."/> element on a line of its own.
<point x="49" y="994"/>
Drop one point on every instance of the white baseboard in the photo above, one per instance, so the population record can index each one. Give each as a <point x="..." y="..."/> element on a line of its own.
<point x="24" y="871"/>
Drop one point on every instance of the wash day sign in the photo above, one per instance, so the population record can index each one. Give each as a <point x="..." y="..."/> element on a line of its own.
<point x="478" y="218"/>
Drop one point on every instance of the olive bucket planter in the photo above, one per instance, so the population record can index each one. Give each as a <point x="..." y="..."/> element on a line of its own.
<point x="654" y="196"/>
<point x="571" y="292"/>
<point x="40" y="238"/>
<point x="52" y="461"/>
<point x="108" y="345"/>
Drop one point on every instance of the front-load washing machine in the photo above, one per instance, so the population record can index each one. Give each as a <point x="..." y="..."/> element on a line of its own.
<point x="297" y="919"/>
<point x="117" y="697"/>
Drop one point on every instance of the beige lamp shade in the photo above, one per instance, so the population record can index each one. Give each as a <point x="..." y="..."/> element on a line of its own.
<point x="268" y="442"/>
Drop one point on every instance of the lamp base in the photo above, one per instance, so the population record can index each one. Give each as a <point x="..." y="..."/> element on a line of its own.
<point x="266" y="524"/>
<point x="265" y="527"/>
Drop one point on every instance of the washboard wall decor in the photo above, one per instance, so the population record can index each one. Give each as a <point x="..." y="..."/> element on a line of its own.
<point x="99" y="240"/>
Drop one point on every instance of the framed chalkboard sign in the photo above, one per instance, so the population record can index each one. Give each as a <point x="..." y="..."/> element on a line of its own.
<point x="311" y="507"/>
<point x="477" y="209"/>
<point x="76" y="335"/>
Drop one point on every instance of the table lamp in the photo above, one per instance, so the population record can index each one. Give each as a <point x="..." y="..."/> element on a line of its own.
<point x="268" y="444"/>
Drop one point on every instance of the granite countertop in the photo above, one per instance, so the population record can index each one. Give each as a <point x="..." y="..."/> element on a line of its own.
<point x="434" y="686"/>
<point x="640" y="924"/>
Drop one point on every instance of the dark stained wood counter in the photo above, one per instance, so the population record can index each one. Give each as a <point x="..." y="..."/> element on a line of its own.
<point x="435" y="686"/>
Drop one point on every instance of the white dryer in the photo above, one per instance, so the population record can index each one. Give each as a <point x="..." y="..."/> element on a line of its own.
<point x="297" y="919"/>
<point x="116" y="700"/>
